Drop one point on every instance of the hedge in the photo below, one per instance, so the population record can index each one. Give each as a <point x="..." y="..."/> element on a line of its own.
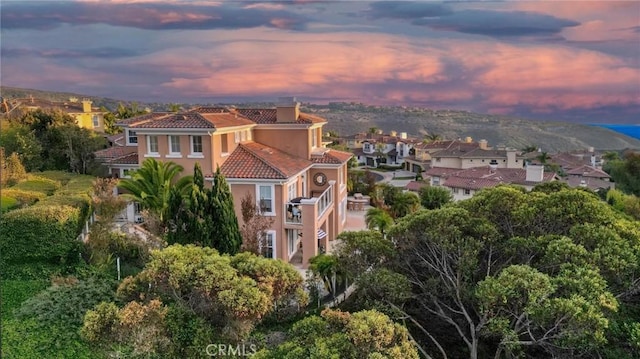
<point x="59" y="176"/>
<point x="25" y="198"/>
<point x="39" y="184"/>
<point x="7" y="203"/>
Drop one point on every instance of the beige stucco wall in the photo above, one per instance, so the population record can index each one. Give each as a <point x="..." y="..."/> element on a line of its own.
<point x="185" y="150"/>
<point x="296" y="142"/>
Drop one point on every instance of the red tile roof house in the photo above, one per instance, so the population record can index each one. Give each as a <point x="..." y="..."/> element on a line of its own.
<point x="392" y="149"/>
<point x="275" y="154"/>
<point x="464" y="183"/>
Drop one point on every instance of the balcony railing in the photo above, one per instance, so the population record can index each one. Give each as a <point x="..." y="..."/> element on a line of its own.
<point x="325" y="200"/>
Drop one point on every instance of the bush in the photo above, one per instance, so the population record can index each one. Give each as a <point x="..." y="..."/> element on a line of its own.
<point x="25" y="198"/>
<point x="41" y="234"/>
<point x="15" y="292"/>
<point x="390" y="167"/>
<point x="7" y="203"/>
<point x="39" y="184"/>
<point x="59" y="176"/>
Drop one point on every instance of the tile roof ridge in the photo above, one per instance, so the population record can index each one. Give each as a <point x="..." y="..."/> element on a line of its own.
<point x="261" y="159"/>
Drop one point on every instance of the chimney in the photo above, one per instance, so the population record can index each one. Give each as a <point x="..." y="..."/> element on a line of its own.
<point x="403" y="135"/>
<point x="483" y="144"/>
<point x="468" y="139"/>
<point x="593" y="160"/>
<point x="493" y="167"/>
<point x="287" y="110"/>
<point x="393" y="133"/>
<point x="534" y="173"/>
<point x="590" y="149"/>
<point x="86" y="105"/>
<point x="380" y="132"/>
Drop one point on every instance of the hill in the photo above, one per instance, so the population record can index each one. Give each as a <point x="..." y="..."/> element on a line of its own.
<point x="350" y="118"/>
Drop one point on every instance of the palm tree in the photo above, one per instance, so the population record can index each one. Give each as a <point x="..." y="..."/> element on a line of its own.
<point x="373" y="130"/>
<point x="529" y="149"/>
<point x="432" y="138"/>
<point x="543" y="157"/>
<point x="404" y="204"/>
<point x="151" y="185"/>
<point x="379" y="219"/>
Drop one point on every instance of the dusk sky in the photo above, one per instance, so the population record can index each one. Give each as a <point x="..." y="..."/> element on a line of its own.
<point x="567" y="60"/>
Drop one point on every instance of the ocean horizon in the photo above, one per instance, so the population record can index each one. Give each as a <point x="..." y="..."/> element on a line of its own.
<point x="629" y="130"/>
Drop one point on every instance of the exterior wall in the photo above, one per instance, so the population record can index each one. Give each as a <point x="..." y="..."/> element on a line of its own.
<point x="448" y="162"/>
<point x="296" y="142"/>
<point x="85" y="120"/>
<point x="207" y="164"/>
<point x="459" y="193"/>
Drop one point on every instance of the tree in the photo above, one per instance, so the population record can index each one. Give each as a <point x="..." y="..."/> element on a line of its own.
<point x="373" y="130"/>
<point x="80" y="144"/>
<point x="536" y="271"/>
<point x="529" y="149"/>
<point x="223" y="216"/>
<point x="433" y="137"/>
<point x="378" y="219"/>
<point x="336" y="334"/>
<point x="230" y="293"/>
<point x="12" y="170"/>
<point x="434" y="197"/>
<point x="404" y="204"/>
<point x="151" y="185"/>
<point x="543" y="157"/>
<point x="21" y="139"/>
<point x="110" y="121"/>
<point x="254" y="225"/>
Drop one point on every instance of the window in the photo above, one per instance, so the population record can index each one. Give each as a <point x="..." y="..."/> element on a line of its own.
<point x="455" y="190"/>
<point x="265" y="194"/>
<point x="249" y="136"/>
<point x="196" y="145"/>
<point x="314" y="139"/>
<point x="436" y="181"/>
<point x="467" y="191"/>
<point x="152" y="145"/>
<point x="293" y="190"/>
<point x="236" y="136"/>
<point x="132" y="137"/>
<point x="437" y="159"/>
<point x="126" y="173"/>
<point x="174" y="145"/>
<point x="224" y="143"/>
<point x="268" y="244"/>
<point x="243" y="136"/>
<point x="292" y="240"/>
<point x="96" y="120"/>
<point x="343" y="210"/>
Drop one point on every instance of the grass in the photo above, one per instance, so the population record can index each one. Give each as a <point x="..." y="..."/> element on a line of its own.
<point x="38" y="184"/>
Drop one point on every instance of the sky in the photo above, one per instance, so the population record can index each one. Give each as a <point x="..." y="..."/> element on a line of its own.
<point x="562" y="60"/>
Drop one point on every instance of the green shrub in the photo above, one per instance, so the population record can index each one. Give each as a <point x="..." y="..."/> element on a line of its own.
<point x="39" y="184"/>
<point x="59" y="176"/>
<point x="7" y="203"/>
<point x="25" y="198"/>
<point x="40" y="234"/>
<point x="15" y="292"/>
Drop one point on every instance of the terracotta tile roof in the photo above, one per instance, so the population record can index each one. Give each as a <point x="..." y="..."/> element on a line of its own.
<point x="440" y="171"/>
<point x="268" y="116"/>
<point x="332" y="157"/>
<point x="589" y="182"/>
<point x="130" y="159"/>
<point x="456" y="150"/>
<point x="115" y="152"/>
<point x="176" y="120"/>
<point x="254" y="160"/>
<point x="116" y="139"/>
<point x="475" y="178"/>
<point x="66" y="106"/>
<point x="206" y="109"/>
<point x="588" y="171"/>
<point x="415" y="186"/>
<point x="141" y="118"/>
<point x="471" y="183"/>
<point x="221" y="120"/>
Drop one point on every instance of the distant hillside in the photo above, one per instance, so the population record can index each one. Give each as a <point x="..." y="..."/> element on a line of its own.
<point x="350" y="118"/>
<point x="347" y="118"/>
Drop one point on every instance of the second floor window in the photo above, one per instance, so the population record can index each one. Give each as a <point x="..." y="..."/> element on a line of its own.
<point x="174" y="145"/>
<point x="196" y="144"/>
<point x="266" y="199"/>
<point x="224" y="143"/>
<point x="152" y="144"/>
<point x="314" y="139"/>
<point x="293" y="190"/>
<point x="96" y="120"/>
<point x="132" y="137"/>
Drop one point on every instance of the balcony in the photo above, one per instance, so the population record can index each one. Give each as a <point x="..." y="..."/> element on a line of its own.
<point x="322" y="201"/>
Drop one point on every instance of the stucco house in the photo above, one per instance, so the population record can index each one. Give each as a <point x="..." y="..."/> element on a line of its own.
<point x="275" y="154"/>
<point x="464" y="183"/>
<point x="374" y="149"/>
<point x="85" y="114"/>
